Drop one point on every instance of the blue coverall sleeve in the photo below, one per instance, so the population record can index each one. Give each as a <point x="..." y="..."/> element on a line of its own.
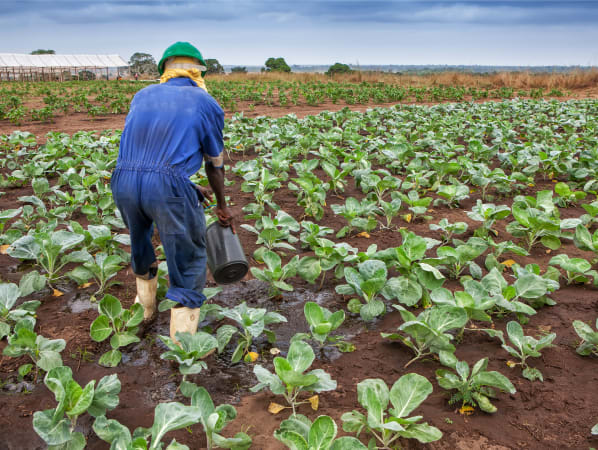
<point x="212" y="142"/>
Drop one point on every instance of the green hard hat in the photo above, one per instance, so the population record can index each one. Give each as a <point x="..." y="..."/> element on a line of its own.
<point x="181" y="49"/>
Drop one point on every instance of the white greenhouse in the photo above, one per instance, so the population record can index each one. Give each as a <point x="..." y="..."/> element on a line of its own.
<point x="22" y="67"/>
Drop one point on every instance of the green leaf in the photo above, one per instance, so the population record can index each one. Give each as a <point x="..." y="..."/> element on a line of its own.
<point x="203" y="402"/>
<point x="25" y="248"/>
<point x="9" y="293"/>
<point x="532" y="374"/>
<point x="49" y="359"/>
<point x="111" y="431"/>
<point x="267" y="379"/>
<point x="296" y="423"/>
<point x="80" y="399"/>
<point x="101" y="328"/>
<point x="313" y="314"/>
<point x="110" y="306"/>
<point x="372" y="309"/>
<point x="530" y="286"/>
<point x="110" y="359"/>
<point x="324" y="383"/>
<point x="354" y="306"/>
<point x="380" y="389"/>
<point x="224" y="335"/>
<point x="422" y="432"/>
<point x="170" y="417"/>
<point x="105" y="397"/>
<point x="30" y="282"/>
<point x="122" y="339"/>
<point x="515" y="333"/>
<point x="551" y="242"/>
<point x="347" y="443"/>
<point x="405" y="290"/>
<point x="166" y="304"/>
<point x="322" y="433"/>
<point x="309" y="268"/>
<point x="494" y="379"/>
<point x="372" y="269"/>
<point x="24" y="369"/>
<point x="408" y="393"/>
<point x="300" y="356"/>
<point x="291" y="439"/>
<point x="290" y="377"/>
<point x="484" y="403"/>
<point x="53" y="432"/>
<point x="66" y="239"/>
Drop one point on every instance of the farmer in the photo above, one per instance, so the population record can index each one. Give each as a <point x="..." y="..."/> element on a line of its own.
<point x="171" y="128"/>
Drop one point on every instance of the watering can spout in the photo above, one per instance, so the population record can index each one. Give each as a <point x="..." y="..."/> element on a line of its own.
<point x="226" y="258"/>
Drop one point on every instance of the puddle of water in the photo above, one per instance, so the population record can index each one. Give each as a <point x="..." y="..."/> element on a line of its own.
<point x="22" y="386"/>
<point x="78" y="303"/>
<point x="255" y="293"/>
<point x="229" y="381"/>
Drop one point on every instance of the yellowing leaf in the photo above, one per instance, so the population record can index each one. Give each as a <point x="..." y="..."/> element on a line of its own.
<point x="555" y="181"/>
<point x="531" y="184"/>
<point x="511" y="363"/>
<point x="57" y="293"/>
<point x="407" y="218"/>
<point x="364" y="234"/>
<point x="85" y="285"/>
<point x="274" y="351"/>
<point x="466" y="410"/>
<point x="3" y="249"/>
<point x="471" y="191"/>
<point x="548" y="251"/>
<point x="314" y="402"/>
<point x="508" y="262"/>
<point x="251" y="357"/>
<point x="495" y="232"/>
<point x="275" y="408"/>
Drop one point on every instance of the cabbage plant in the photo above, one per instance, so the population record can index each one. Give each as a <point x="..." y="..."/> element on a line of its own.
<point x="589" y="338"/>
<point x="428" y="333"/>
<point x="299" y="433"/>
<point x="290" y="378"/>
<point x="385" y="424"/>
<point x="57" y="426"/>
<point x="475" y="387"/>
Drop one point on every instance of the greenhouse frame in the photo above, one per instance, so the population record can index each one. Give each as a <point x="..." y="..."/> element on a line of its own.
<point x="22" y="67"/>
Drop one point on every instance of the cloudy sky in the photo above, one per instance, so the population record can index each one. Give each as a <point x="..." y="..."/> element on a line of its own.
<point x="313" y="32"/>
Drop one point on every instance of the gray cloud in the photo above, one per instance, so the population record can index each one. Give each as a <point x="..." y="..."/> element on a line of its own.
<point x="286" y="11"/>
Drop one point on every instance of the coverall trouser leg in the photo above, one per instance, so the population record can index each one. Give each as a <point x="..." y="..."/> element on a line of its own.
<point x="145" y="197"/>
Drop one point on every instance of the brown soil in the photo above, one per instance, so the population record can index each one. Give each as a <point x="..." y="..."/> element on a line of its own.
<point x="555" y="414"/>
<point x="83" y="122"/>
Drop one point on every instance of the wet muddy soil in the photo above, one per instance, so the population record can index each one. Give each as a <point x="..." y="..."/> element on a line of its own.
<point x="556" y="414"/>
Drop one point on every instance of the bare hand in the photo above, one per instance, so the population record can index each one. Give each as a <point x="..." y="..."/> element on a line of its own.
<point x="225" y="217"/>
<point x="206" y="193"/>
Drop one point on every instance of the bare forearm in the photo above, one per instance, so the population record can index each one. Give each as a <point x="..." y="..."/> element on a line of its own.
<point x="216" y="180"/>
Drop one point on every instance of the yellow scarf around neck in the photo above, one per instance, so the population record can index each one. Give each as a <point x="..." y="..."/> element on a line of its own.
<point x="187" y="72"/>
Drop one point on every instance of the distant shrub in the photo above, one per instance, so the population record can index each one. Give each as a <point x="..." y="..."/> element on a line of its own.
<point x="277" y="65"/>
<point x="338" y="68"/>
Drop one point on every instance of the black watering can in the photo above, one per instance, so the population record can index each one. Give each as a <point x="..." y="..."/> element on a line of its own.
<point x="226" y="258"/>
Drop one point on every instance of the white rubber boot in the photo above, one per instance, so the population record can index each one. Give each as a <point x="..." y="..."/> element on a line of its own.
<point x="146" y="295"/>
<point x="183" y="319"/>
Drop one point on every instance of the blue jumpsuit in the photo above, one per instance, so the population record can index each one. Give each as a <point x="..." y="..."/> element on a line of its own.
<point x="169" y="128"/>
